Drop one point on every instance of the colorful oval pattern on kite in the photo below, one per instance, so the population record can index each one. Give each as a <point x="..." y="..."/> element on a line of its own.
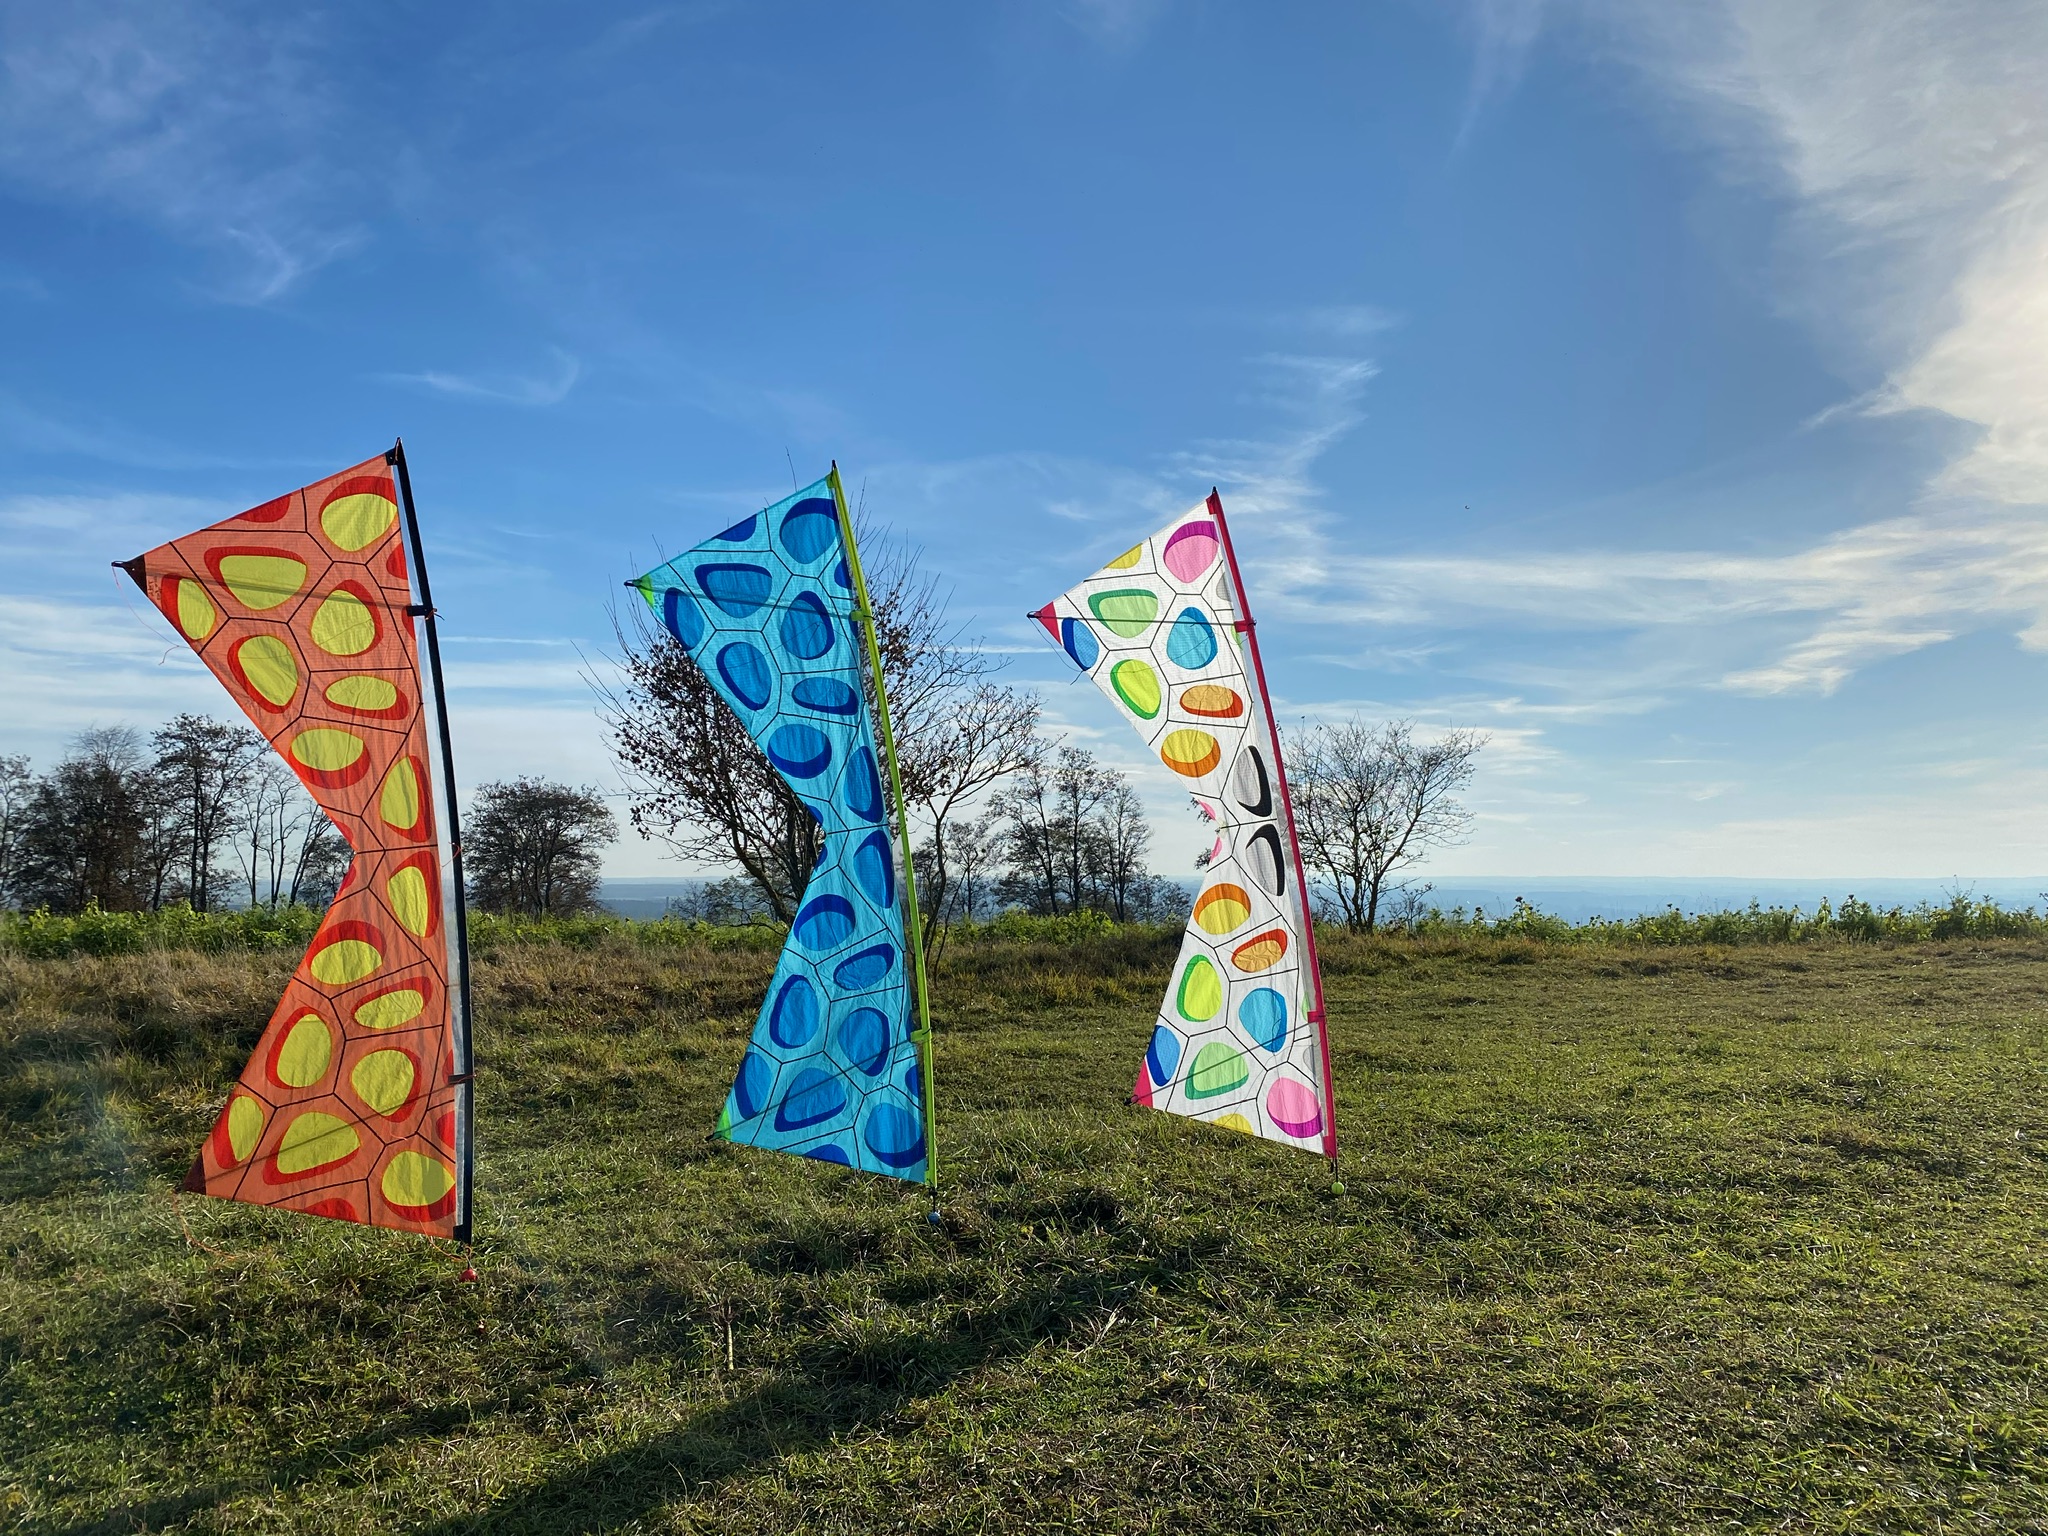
<point x="346" y="954"/>
<point x="383" y="1080"/>
<point x="681" y="617"/>
<point x="809" y="529"/>
<point x="363" y="695"/>
<point x="417" y="1186"/>
<point x="1126" y="612"/>
<point x="751" y="1085"/>
<point x="1248" y="783"/>
<point x="1162" y="1056"/>
<point x="1201" y="991"/>
<point x="1190" y="550"/>
<point x="1261" y="953"/>
<point x="330" y="757"/>
<point x="1263" y="1013"/>
<point x="824" y="923"/>
<point x="344" y="624"/>
<point x="410" y="899"/>
<point x="358" y="513"/>
<point x="1262" y="857"/>
<point x="259" y="579"/>
<point x="1191" y="643"/>
<point x="736" y="590"/>
<point x="864" y="1040"/>
<point x="1137" y="685"/>
<point x="389" y="1009"/>
<point x="1190" y="753"/>
<point x="815" y="1097"/>
<point x="875" y="869"/>
<point x="1212" y="701"/>
<point x="189" y="605"/>
<point x="1291" y="1106"/>
<point x="1222" y="909"/>
<point x="863" y="790"/>
<point x="801" y="751"/>
<point x="747" y="673"/>
<point x="739" y="532"/>
<point x="398" y="802"/>
<point x="858" y="972"/>
<point x="266" y="668"/>
<point x="806" y="630"/>
<point x="827" y="695"/>
<point x="1219" y="1068"/>
<point x="314" y="1141"/>
<point x="794" y="1021"/>
<point x="1079" y="642"/>
<point x="893" y="1135"/>
<point x="302" y="1053"/>
<point x="240" y="1125"/>
<point x="1127" y="559"/>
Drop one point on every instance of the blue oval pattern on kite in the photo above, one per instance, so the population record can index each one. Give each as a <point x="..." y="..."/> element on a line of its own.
<point x="1191" y="643"/>
<point x="863" y="790"/>
<point x="810" y="528"/>
<point x="913" y="1083"/>
<point x="746" y="673"/>
<point x="841" y="575"/>
<point x="1079" y="641"/>
<point x="681" y="617"/>
<point x="750" y="1088"/>
<point x="801" y="751"/>
<point x="1263" y="1013"/>
<point x="894" y="1136"/>
<point x="825" y="923"/>
<point x="866" y="968"/>
<point x="739" y="532"/>
<point x="831" y="1152"/>
<point x="875" y="869"/>
<point x="736" y="589"/>
<point x="1162" y="1056"/>
<point x="794" y="1019"/>
<point x="864" y="1040"/>
<point x="806" y="631"/>
<point x="813" y="1098"/>
<point x="827" y="695"/>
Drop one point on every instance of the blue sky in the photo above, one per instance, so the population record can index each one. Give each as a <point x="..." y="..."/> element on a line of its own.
<point x="1662" y="390"/>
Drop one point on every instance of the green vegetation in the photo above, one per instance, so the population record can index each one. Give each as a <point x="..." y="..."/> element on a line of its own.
<point x="1636" y="1239"/>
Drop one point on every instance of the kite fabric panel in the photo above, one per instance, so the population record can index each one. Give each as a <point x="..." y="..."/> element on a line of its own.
<point x="767" y="610"/>
<point x="1235" y="1042"/>
<point x="353" y="1105"/>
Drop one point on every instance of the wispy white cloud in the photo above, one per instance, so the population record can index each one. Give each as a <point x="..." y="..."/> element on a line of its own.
<point x="1503" y="33"/>
<point x="209" y="122"/>
<point x="551" y="388"/>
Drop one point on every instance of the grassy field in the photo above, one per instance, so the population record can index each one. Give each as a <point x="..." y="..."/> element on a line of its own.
<point x="1634" y="1240"/>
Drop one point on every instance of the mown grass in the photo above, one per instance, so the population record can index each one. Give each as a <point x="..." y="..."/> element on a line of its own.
<point x="1686" y="1239"/>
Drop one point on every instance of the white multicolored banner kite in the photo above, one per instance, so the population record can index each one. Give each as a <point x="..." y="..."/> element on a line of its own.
<point x="1163" y="630"/>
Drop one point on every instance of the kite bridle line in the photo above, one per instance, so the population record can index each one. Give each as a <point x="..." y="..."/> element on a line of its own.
<point x="1247" y="627"/>
<point x="913" y="925"/>
<point x="465" y="1076"/>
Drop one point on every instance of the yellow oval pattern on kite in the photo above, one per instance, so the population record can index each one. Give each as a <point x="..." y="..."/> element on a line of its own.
<point x="1223" y="908"/>
<point x="353" y="521"/>
<point x="362" y="693"/>
<point x="1201" y="991"/>
<point x="1234" y="1122"/>
<point x="313" y="1141"/>
<point x="383" y="1080"/>
<point x="1137" y="685"/>
<point x="414" y="1179"/>
<point x="268" y="664"/>
<point x="1190" y="753"/>
<point x="391" y="1010"/>
<point x="245" y="1124"/>
<point x="343" y="625"/>
<point x="326" y="750"/>
<point x="196" y="613"/>
<point x="1127" y="559"/>
<point x="1212" y="701"/>
<point x="407" y="892"/>
<point x="308" y="1048"/>
<point x="399" y="801"/>
<point x="1260" y="953"/>
<point x="345" y="961"/>
<point x="262" y="581"/>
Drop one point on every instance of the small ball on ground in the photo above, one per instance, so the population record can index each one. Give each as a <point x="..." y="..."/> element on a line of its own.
<point x="1336" y="1186"/>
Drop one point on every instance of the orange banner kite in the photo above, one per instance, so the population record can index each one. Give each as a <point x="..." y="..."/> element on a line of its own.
<point x="356" y="1103"/>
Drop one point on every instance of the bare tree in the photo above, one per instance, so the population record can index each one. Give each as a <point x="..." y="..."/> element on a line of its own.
<point x="17" y="787"/>
<point x="82" y="830"/>
<point x="205" y="766"/>
<point x="1074" y="837"/>
<point x="1126" y="838"/>
<point x="1374" y="800"/>
<point x="701" y="786"/>
<point x="289" y="852"/>
<point x="533" y="847"/>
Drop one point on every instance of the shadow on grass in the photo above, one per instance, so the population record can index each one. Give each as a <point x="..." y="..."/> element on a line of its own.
<point x="841" y="1383"/>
